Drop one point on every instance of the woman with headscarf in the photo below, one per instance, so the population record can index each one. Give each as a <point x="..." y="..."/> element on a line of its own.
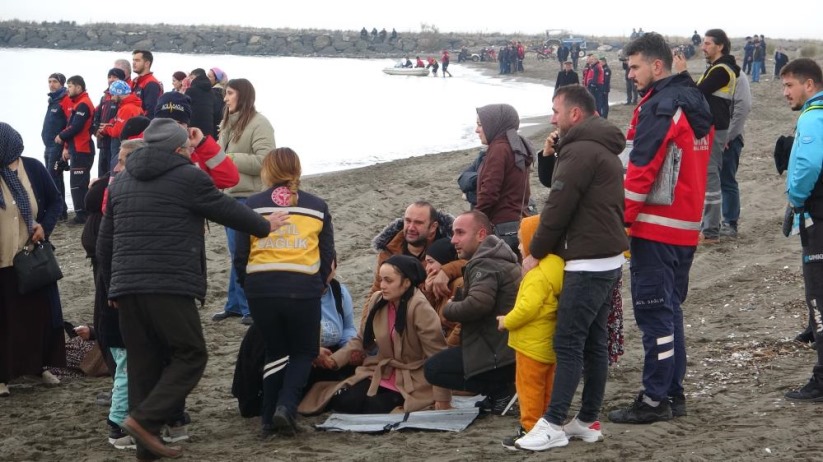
<point x="401" y="331"/>
<point x="503" y="177"/>
<point x="442" y="252"/>
<point x="31" y="325"/>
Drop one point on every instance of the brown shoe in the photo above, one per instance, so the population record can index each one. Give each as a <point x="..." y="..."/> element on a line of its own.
<point x="703" y="240"/>
<point x="152" y="442"/>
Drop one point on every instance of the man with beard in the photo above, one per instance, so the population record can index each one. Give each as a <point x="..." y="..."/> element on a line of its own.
<point x="54" y="123"/>
<point x="717" y="84"/>
<point x="78" y="147"/>
<point x="146" y="86"/>
<point x="803" y="88"/>
<point x="411" y="235"/>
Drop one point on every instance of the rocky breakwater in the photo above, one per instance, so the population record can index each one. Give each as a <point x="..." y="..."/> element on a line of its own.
<point x="235" y="40"/>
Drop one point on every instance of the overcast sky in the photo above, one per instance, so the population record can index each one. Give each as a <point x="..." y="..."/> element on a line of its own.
<point x="592" y="17"/>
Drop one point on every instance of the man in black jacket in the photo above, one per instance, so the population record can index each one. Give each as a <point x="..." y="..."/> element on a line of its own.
<point x="205" y="111"/>
<point x="151" y="252"/>
<point x="566" y="76"/>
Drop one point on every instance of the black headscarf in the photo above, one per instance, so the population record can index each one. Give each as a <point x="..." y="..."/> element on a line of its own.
<point x="412" y="270"/>
<point x="499" y="119"/>
<point x="11" y="147"/>
<point x="442" y="250"/>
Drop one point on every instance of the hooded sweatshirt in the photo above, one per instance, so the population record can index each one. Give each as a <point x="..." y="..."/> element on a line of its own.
<point x="490" y="282"/>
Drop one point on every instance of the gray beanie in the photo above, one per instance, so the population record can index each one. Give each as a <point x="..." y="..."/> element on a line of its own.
<point x="165" y="134"/>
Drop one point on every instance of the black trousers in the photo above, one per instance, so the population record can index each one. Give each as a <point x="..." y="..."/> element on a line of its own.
<point x="354" y="400"/>
<point x="167" y="356"/>
<point x="291" y="332"/>
<point x="445" y="369"/>
<point x="80" y="174"/>
<point x="813" y="280"/>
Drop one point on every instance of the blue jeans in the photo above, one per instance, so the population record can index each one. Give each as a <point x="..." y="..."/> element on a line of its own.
<point x="660" y="283"/>
<point x="728" y="182"/>
<point x="756" y="68"/>
<point x="119" y="391"/>
<point x="236" y="299"/>
<point x="580" y="343"/>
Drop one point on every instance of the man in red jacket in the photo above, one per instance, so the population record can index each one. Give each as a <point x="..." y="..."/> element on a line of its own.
<point x="78" y="147"/>
<point x="208" y="155"/>
<point x="146" y="86"/>
<point x="672" y="120"/>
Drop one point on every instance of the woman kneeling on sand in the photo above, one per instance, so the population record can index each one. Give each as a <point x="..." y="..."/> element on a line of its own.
<point x="404" y="330"/>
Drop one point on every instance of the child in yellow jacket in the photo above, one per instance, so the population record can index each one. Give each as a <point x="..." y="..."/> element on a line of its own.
<point x="531" y="324"/>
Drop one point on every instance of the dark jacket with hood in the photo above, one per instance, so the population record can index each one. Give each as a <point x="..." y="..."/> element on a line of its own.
<point x="490" y="282"/>
<point x="583" y="215"/>
<point x="717" y="85"/>
<point x="152" y="235"/>
<point x="56" y="118"/>
<point x="202" y="105"/>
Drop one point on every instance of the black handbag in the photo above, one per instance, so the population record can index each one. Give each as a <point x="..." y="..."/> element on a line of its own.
<point x="36" y="266"/>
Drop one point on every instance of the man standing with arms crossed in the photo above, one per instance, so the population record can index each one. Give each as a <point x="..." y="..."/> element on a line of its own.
<point x="803" y="88"/>
<point x="672" y="117"/>
<point x="717" y="85"/>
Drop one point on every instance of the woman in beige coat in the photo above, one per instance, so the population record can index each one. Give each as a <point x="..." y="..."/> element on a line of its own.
<point x="247" y="137"/>
<point x="404" y="330"/>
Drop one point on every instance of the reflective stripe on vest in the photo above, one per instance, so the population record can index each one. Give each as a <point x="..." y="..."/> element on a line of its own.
<point x="726" y="92"/>
<point x="669" y="222"/>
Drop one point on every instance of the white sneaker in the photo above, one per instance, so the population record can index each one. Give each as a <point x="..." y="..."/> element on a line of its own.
<point x="125" y="442"/>
<point x="589" y="433"/>
<point x="542" y="436"/>
<point x="49" y="378"/>
<point x="175" y="434"/>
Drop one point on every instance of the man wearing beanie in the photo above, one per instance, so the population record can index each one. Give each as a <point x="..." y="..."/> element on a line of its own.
<point x="151" y="251"/>
<point x="129" y="106"/>
<point x="57" y="115"/>
<point x="78" y="147"/>
<point x="104" y="113"/>
<point x="208" y="155"/>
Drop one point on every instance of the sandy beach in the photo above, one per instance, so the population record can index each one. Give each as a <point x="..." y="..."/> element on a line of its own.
<point x="743" y="310"/>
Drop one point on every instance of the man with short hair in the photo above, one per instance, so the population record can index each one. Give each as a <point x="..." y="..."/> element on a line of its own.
<point x="125" y="66"/>
<point x="154" y="273"/>
<point x="717" y="84"/>
<point x="673" y="119"/>
<point x="78" y="147"/>
<point x="411" y="235"/>
<point x="483" y="362"/>
<point x="594" y="80"/>
<point x="741" y="106"/>
<point x="607" y="87"/>
<point x="803" y="88"/>
<point x="146" y="86"/>
<point x="582" y="222"/>
<point x="55" y="121"/>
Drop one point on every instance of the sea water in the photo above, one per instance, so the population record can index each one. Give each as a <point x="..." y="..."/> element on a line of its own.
<point x="335" y="113"/>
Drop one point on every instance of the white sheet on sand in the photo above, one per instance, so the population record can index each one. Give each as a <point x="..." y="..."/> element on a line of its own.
<point x="454" y="420"/>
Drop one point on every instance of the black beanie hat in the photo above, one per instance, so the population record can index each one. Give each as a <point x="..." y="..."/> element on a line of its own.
<point x="174" y="105"/>
<point x="442" y="250"/>
<point x="134" y="127"/>
<point x="410" y="267"/>
<point x="58" y="77"/>
<point x="117" y="72"/>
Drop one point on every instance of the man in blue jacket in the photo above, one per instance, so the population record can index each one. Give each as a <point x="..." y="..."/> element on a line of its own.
<point x="55" y="121"/>
<point x="803" y="88"/>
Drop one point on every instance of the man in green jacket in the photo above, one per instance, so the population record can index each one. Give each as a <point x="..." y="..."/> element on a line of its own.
<point x="483" y="363"/>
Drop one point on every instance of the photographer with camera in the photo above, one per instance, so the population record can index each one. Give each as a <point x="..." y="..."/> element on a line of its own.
<point x="55" y="121"/>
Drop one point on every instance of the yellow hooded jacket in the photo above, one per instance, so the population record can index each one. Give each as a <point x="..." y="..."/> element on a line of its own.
<point x="532" y="321"/>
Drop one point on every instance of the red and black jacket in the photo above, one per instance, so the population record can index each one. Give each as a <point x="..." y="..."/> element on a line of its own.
<point x="148" y="89"/>
<point x="77" y="134"/>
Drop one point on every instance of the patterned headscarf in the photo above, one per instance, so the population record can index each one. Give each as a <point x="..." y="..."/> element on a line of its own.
<point x="11" y="146"/>
<point x="499" y="119"/>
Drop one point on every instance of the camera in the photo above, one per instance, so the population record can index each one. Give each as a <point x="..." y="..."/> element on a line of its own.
<point x="61" y="165"/>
